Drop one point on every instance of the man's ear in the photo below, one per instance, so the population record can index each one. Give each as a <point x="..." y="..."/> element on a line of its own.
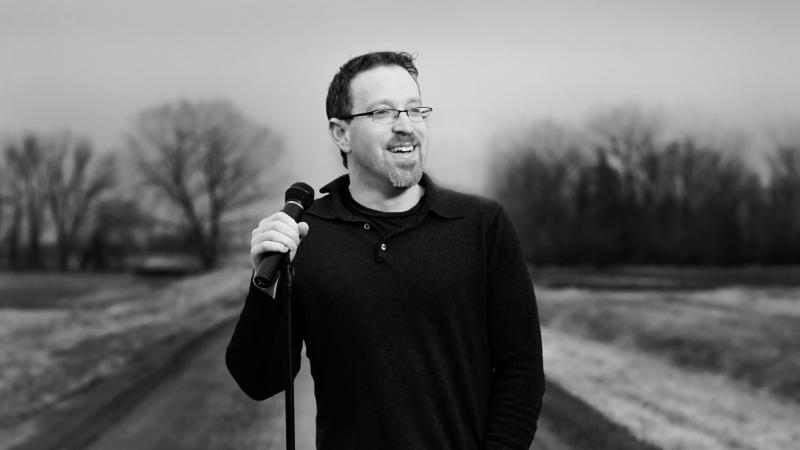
<point x="339" y="131"/>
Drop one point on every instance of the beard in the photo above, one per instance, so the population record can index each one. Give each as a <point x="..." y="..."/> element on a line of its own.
<point x="405" y="174"/>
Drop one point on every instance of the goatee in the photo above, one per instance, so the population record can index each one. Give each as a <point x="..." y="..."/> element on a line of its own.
<point x="406" y="177"/>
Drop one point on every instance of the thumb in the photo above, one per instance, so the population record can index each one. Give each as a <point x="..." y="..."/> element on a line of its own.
<point x="303" y="229"/>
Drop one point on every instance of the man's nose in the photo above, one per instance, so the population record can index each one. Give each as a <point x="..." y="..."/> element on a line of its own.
<point x="403" y="123"/>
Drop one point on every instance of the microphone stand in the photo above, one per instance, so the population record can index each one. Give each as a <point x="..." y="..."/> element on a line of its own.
<point x="288" y="273"/>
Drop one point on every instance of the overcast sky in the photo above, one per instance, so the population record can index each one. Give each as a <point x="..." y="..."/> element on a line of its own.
<point x="486" y="67"/>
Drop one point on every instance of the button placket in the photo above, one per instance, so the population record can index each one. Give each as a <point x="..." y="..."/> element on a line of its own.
<point x="380" y="252"/>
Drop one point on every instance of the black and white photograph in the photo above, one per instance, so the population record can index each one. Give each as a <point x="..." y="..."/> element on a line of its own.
<point x="508" y="225"/>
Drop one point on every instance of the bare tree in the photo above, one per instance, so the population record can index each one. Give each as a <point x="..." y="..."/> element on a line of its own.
<point x="118" y="227"/>
<point x="202" y="158"/>
<point x="25" y="164"/>
<point x="72" y="189"/>
<point x="5" y="201"/>
<point x="12" y="186"/>
<point x="627" y="138"/>
<point x="637" y="196"/>
<point x="535" y="177"/>
<point x="783" y="195"/>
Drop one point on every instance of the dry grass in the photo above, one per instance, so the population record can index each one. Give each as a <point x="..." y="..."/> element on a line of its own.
<point x="660" y="277"/>
<point x="38" y="290"/>
<point x="667" y="406"/>
<point x="50" y="353"/>
<point x="748" y="334"/>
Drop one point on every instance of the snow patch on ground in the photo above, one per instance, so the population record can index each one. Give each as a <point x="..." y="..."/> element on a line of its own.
<point x="49" y="354"/>
<point x="667" y="406"/>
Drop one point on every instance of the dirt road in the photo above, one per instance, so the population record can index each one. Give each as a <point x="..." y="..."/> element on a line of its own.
<point x="192" y="403"/>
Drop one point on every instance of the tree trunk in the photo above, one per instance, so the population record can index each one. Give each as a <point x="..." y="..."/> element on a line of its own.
<point x="63" y="245"/>
<point x="13" y="241"/>
<point x="34" y="239"/>
<point x="209" y="259"/>
<point x="203" y="247"/>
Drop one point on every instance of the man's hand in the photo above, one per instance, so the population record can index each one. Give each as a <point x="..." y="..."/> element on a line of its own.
<point x="276" y="233"/>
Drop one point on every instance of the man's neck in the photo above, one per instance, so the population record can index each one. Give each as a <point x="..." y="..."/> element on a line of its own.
<point x="385" y="197"/>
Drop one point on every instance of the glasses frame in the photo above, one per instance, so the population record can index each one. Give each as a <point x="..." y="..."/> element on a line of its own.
<point x="427" y="109"/>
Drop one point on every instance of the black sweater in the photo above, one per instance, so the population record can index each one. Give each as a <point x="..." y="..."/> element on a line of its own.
<point x="427" y="338"/>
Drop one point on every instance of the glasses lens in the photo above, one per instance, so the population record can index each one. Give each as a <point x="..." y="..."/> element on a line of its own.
<point x="416" y="114"/>
<point x="384" y="115"/>
<point x="419" y="113"/>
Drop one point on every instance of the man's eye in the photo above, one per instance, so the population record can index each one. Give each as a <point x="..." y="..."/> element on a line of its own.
<point x="382" y="113"/>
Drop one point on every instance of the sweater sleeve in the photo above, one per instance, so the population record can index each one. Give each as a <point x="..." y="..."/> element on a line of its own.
<point x="257" y="353"/>
<point x="515" y="342"/>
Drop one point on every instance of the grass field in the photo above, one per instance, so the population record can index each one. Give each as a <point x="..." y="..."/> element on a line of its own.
<point x="34" y="290"/>
<point x="667" y="406"/>
<point x="709" y="363"/>
<point x="748" y="334"/>
<point x="666" y="278"/>
<point x="62" y="334"/>
<point x="688" y="359"/>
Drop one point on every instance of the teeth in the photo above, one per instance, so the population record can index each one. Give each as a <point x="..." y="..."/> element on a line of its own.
<point x="404" y="149"/>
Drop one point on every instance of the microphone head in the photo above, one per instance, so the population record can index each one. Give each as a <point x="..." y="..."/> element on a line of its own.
<point x="301" y="193"/>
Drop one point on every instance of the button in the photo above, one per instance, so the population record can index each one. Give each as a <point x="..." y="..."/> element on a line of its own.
<point x="366" y="226"/>
<point x="383" y="247"/>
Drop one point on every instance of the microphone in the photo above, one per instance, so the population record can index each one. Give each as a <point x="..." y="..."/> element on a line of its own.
<point x="298" y="198"/>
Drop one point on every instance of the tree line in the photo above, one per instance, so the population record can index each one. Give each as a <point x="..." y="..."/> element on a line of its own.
<point x="622" y="191"/>
<point x="184" y="168"/>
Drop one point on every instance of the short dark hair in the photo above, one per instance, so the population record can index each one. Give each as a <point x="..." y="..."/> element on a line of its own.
<point x="339" y="103"/>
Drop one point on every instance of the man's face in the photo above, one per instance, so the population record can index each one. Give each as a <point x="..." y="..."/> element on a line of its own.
<point x="393" y="152"/>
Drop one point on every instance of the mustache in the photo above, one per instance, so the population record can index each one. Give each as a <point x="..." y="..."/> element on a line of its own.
<point x="402" y="140"/>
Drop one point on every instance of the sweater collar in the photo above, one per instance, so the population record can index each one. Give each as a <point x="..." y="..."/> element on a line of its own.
<point x="440" y="201"/>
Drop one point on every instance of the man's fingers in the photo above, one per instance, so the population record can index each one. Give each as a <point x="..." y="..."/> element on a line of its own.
<point x="276" y="233"/>
<point x="276" y="237"/>
<point x="280" y="227"/>
<point x="271" y="247"/>
<point x="267" y="247"/>
<point x="281" y="217"/>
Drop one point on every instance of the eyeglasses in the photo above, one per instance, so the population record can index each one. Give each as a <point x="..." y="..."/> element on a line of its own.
<point x="415" y="114"/>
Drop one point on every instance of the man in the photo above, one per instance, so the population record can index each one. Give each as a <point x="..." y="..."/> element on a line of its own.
<point x="414" y="301"/>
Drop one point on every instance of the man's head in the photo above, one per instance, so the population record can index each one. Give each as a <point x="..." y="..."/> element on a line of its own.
<point x="372" y="146"/>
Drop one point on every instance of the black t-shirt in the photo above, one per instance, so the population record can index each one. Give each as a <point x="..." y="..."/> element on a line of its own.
<point x="383" y="222"/>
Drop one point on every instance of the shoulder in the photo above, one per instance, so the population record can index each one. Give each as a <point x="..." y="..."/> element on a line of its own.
<point x="330" y="206"/>
<point x="451" y="203"/>
<point x="323" y="207"/>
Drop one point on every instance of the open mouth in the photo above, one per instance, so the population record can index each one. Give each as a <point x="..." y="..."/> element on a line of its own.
<point x="406" y="148"/>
